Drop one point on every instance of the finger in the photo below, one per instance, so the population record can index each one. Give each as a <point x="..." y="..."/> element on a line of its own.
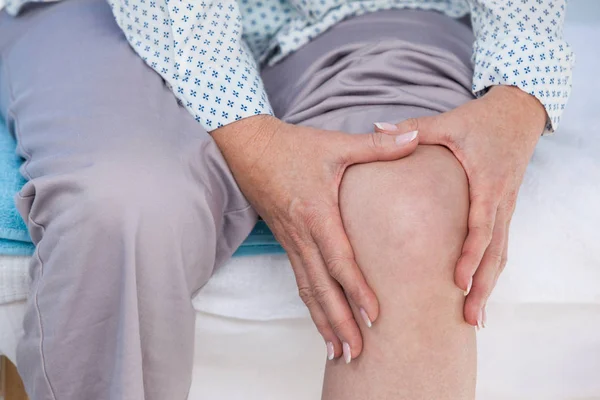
<point x="428" y="131"/>
<point x="330" y="296"/>
<point x="376" y="146"/>
<point x="487" y="274"/>
<point x="504" y="252"/>
<point x="502" y="266"/>
<point x="339" y="258"/>
<point x="316" y="312"/>
<point x="482" y="216"/>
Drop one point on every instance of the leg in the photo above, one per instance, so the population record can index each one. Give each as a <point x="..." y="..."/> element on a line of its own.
<point x="406" y="219"/>
<point x="407" y="226"/>
<point x="129" y="202"/>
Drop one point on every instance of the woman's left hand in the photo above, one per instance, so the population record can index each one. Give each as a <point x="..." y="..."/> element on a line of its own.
<point x="493" y="138"/>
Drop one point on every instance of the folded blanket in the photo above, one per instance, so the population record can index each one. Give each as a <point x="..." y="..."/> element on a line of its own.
<point x="14" y="239"/>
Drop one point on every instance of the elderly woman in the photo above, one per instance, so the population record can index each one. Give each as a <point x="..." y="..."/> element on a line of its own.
<point x="384" y="143"/>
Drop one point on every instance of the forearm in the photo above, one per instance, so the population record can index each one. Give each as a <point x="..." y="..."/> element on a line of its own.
<point x="242" y="142"/>
<point x="523" y="46"/>
<point x="521" y="108"/>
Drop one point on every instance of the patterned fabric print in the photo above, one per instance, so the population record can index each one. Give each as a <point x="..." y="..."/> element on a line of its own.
<point x="264" y="21"/>
<point x="315" y="17"/>
<point x="519" y="43"/>
<point x="206" y="49"/>
<point x="196" y="46"/>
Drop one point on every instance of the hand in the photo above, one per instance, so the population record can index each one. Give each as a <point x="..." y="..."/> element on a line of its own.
<point x="291" y="176"/>
<point x="493" y="138"/>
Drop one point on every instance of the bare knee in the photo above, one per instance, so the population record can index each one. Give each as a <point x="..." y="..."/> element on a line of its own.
<point x="412" y="212"/>
<point x="419" y="203"/>
<point x="406" y="221"/>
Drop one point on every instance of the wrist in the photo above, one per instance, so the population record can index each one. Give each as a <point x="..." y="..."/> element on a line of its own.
<point x="242" y="142"/>
<point x="523" y="108"/>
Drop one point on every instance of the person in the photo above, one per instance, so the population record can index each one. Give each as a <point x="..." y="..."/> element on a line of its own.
<point x="155" y="132"/>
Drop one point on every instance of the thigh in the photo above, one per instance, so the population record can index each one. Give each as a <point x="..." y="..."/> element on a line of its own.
<point x="83" y="104"/>
<point x="73" y="86"/>
<point x="384" y="66"/>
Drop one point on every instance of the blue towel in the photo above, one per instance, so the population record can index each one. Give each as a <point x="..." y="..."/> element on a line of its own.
<point x="14" y="239"/>
<point x="259" y="241"/>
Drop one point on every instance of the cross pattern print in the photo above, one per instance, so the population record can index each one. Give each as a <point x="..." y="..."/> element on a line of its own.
<point x="209" y="52"/>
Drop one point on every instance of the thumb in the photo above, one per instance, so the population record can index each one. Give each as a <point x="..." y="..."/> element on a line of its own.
<point x="425" y="126"/>
<point x="378" y="146"/>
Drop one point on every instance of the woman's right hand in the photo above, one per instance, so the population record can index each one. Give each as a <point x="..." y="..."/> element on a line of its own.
<point x="291" y="176"/>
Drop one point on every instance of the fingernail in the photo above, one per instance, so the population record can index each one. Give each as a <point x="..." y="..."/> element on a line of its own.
<point x="386" y="126"/>
<point x="330" y="351"/>
<point x="365" y="317"/>
<point x="347" y="354"/>
<point x="480" y="320"/>
<point x="466" y="292"/>
<point x="484" y="319"/>
<point x="406" y="138"/>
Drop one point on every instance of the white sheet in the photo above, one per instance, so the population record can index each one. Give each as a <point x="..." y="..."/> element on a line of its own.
<point x="529" y="352"/>
<point x="14" y="279"/>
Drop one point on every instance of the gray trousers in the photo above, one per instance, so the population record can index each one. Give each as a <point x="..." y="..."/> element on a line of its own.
<point x="131" y="204"/>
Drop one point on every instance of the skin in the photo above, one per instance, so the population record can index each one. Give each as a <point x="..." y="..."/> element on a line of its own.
<point x="493" y="138"/>
<point x="454" y="202"/>
<point x="407" y="221"/>
<point x="420" y="347"/>
<point x="291" y="176"/>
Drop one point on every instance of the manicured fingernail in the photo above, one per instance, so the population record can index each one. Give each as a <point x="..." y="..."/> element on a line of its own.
<point x="480" y="320"/>
<point x="365" y="317"/>
<point x="330" y="351"/>
<point x="484" y="318"/>
<point x="466" y="292"/>
<point x="386" y="126"/>
<point x="406" y="138"/>
<point x="347" y="353"/>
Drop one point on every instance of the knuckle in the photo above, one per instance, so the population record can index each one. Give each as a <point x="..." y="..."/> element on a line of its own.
<point x="315" y="218"/>
<point x="313" y="221"/>
<point x="296" y="207"/>
<point x="317" y="224"/>
<point x="503" y="261"/>
<point x="483" y="232"/>
<point x="452" y="142"/>
<point x="295" y="241"/>
<point x="337" y="266"/>
<point x="306" y="295"/>
<point x="376" y="140"/>
<point x="322" y="326"/>
<point x="320" y="293"/>
<point x="412" y="124"/>
<point x="301" y="209"/>
<point x="496" y="260"/>
<point x="342" y="325"/>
